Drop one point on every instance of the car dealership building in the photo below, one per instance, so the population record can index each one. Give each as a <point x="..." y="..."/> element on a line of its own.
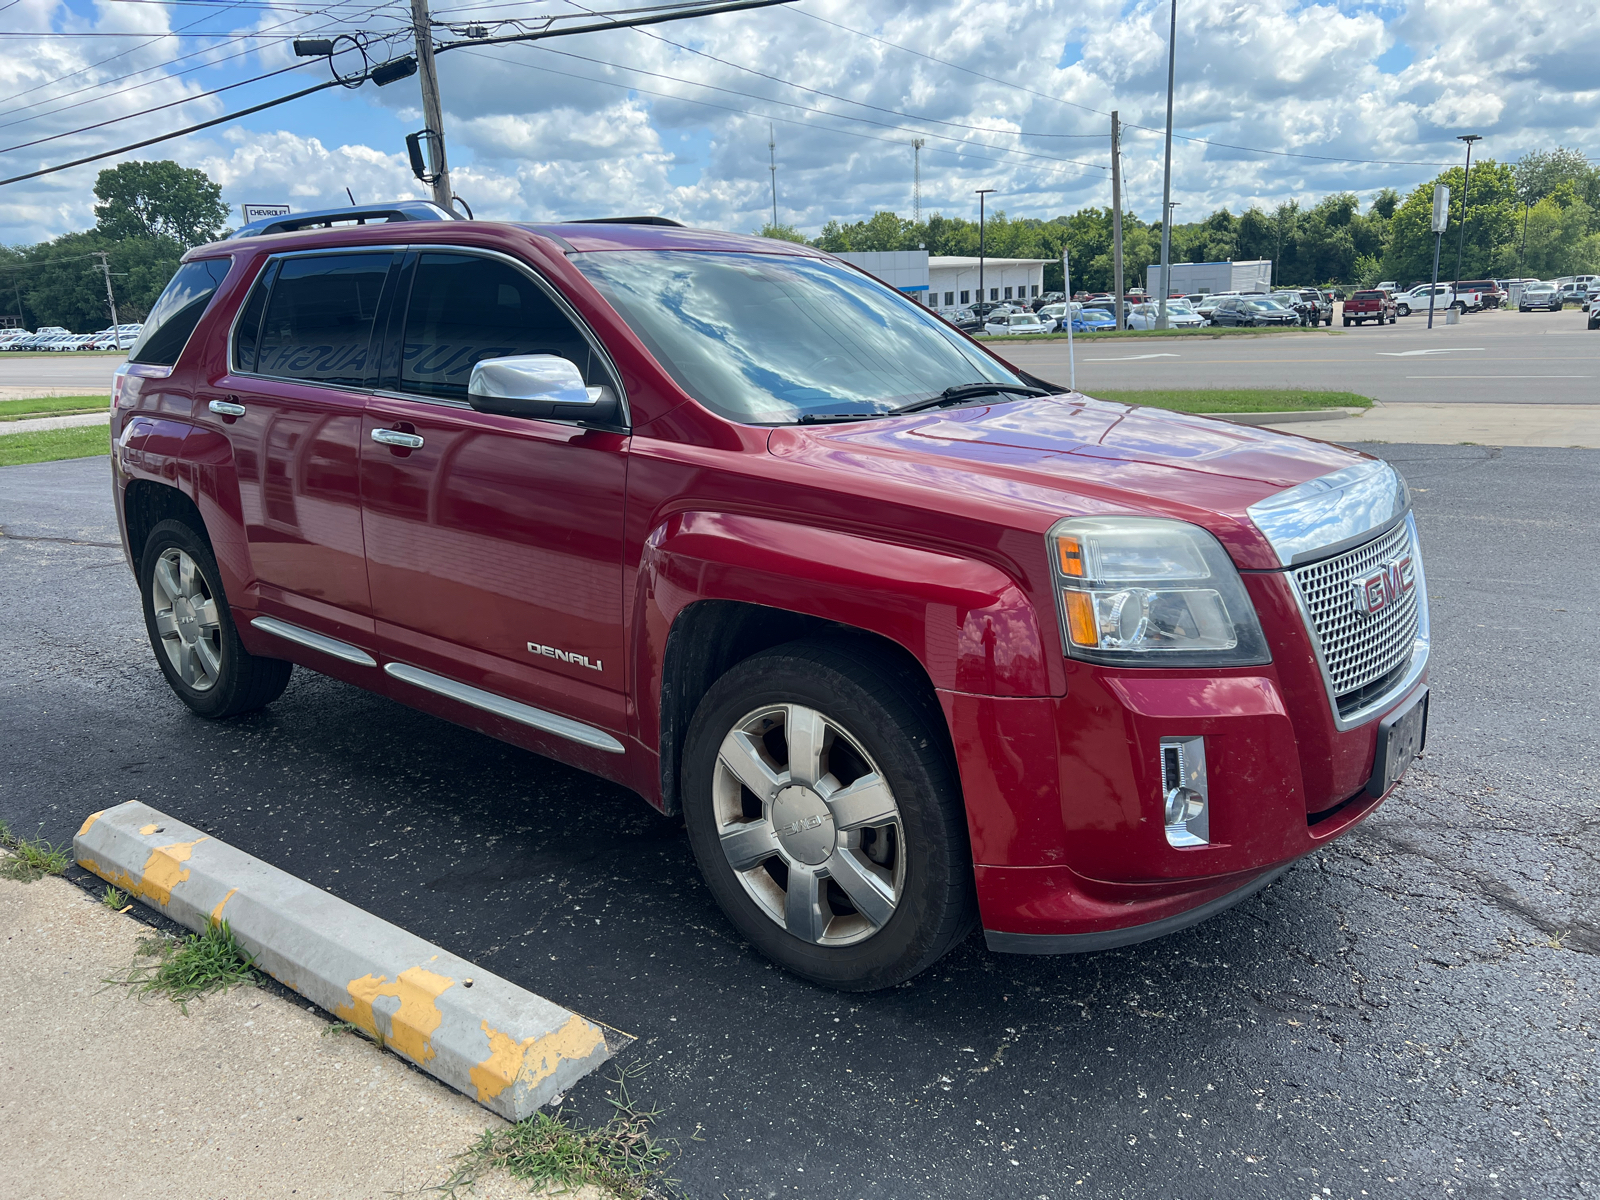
<point x="949" y="282"/>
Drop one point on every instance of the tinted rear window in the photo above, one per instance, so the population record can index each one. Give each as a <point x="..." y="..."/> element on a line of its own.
<point x="318" y="323"/>
<point x="178" y="310"/>
<point x="1369" y="296"/>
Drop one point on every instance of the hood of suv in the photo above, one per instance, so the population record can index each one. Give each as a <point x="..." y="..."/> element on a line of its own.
<point x="1048" y="457"/>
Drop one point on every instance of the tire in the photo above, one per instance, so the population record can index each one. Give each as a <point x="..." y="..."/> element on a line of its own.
<point x="191" y="628"/>
<point x="909" y="896"/>
<point x="1402" y="310"/>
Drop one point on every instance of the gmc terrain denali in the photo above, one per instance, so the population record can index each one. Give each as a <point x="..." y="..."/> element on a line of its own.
<point x="909" y="637"/>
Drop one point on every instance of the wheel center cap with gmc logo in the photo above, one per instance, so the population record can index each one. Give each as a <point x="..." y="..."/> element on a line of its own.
<point x="804" y="825"/>
<point x="183" y="617"/>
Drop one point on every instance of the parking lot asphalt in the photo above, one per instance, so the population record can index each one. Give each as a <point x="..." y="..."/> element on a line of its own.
<point x="1496" y="357"/>
<point x="57" y="374"/>
<point x="1409" y="1012"/>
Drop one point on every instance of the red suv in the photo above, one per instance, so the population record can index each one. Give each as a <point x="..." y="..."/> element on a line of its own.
<point x="911" y="638"/>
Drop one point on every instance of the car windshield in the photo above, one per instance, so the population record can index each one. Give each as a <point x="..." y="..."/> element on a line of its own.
<point x="1024" y="319"/>
<point x="1263" y="305"/>
<point x="769" y="339"/>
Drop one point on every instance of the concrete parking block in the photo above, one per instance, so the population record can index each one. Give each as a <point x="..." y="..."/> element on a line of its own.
<point x="507" y="1048"/>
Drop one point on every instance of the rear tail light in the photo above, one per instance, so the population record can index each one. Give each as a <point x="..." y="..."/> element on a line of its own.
<point x="1185" y="797"/>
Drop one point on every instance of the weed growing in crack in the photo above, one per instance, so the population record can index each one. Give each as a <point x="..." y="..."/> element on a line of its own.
<point x="113" y="899"/>
<point x="187" y="968"/>
<point x="546" y="1150"/>
<point x="335" y="1028"/>
<point x="29" y="859"/>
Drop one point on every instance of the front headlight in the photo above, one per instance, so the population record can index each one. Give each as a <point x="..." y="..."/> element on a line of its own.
<point x="1147" y="591"/>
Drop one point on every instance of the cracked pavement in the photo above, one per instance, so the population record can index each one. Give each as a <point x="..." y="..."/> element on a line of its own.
<point x="1410" y="1012"/>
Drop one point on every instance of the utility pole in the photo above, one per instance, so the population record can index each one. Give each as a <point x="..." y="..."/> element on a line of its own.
<point x="432" y="112"/>
<point x="916" y="179"/>
<point x="1166" y="176"/>
<point x="1466" y="178"/>
<point x="983" y="296"/>
<point x="772" y="165"/>
<point x="105" y="265"/>
<point x="1116" y="216"/>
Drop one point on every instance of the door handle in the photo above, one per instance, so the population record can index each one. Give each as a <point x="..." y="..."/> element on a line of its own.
<point x="393" y="437"/>
<point x="226" y="408"/>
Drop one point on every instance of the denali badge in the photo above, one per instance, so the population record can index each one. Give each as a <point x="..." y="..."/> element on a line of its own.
<point x="566" y="656"/>
<point x="1385" y="585"/>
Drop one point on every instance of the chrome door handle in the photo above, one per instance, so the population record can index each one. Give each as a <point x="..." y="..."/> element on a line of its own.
<point x="226" y="408"/>
<point x="393" y="437"/>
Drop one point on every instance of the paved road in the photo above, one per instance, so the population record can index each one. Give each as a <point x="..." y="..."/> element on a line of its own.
<point x="1493" y="357"/>
<point x="60" y="374"/>
<point x="1410" y="1012"/>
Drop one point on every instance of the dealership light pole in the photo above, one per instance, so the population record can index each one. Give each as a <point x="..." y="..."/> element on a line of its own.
<point x="982" y="192"/>
<point x="1466" y="178"/>
<point x="1166" y="176"/>
<point x="1116" y="216"/>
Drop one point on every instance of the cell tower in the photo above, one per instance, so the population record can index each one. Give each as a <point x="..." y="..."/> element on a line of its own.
<point x="916" y="185"/>
<point x="772" y="157"/>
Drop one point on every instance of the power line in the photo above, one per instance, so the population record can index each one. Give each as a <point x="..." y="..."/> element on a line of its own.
<point x="1126" y="124"/>
<point x="806" y="108"/>
<point x="157" y="108"/>
<point x="744" y="112"/>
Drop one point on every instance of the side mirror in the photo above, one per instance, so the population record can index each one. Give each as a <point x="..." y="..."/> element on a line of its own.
<point x="537" y="385"/>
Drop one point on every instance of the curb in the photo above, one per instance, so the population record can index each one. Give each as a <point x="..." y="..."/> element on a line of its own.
<point x="1287" y="418"/>
<point x="39" y="424"/>
<point x="486" y="1037"/>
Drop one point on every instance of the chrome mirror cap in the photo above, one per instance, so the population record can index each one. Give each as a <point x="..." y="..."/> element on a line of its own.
<point x="537" y="379"/>
<point x="1329" y="514"/>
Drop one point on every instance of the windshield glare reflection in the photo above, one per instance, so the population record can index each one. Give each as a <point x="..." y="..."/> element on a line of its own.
<point x="769" y="339"/>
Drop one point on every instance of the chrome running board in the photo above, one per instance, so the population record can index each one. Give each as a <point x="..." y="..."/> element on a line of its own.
<point x="512" y="710"/>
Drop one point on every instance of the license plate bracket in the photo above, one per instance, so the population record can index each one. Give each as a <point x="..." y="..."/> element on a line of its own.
<point x="1402" y="735"/>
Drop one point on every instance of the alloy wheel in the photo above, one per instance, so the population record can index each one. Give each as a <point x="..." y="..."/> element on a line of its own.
<point x="809" y="825"/>
<point x="186" y="619"/>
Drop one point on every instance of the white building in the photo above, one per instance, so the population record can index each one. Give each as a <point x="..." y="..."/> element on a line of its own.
<point x="1252" y="275"/>
<point x="947" y="282"/>
<point x="953" y="281"/>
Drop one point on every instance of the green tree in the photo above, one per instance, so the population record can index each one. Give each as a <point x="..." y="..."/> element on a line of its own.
<point x="782" y="233"/>
<point x="1558" y="241"/>
<point x="1494" y="219"/>
<point x="1542" y="172"/>
<point x="159" y="200"/>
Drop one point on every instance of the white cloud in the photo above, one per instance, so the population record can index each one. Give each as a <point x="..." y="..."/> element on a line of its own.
<point x="535" y="133"/>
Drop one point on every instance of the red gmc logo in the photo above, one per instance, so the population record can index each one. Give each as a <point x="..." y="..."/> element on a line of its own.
<point x="1385" y="585"/>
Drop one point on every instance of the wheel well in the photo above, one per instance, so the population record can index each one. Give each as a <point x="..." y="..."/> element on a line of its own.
<point x="148" y="504"/>
<point x="708" y="638"/>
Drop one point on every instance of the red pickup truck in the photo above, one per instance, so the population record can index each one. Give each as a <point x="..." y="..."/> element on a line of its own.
<point x="1372" y="305"/>
<point x="910" y="638"/>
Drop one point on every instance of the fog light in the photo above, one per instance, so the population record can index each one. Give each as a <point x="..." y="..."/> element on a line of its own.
<point x="1185" y="801"/>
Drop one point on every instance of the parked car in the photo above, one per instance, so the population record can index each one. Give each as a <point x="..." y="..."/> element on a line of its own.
<point x="1207" y="305"/>
<point x="1592" y="307"/>
<point x="1093" y="320"/>
<point x="1572" y="291"/>
<point x="1253" y="312"/>
<point x="1308" y="303"/>
<point x="826" y="578"/>
<point x="1490" y="293"/>
<point x="1179" y="315"/>
<point x="1372" y="304"/>
<point x="1046" y="299"/>
<point x="1591" y="298"/>
<point x="1445" y="296"/>
<point x="1540" y="295"/>
<point x="1014" y="324"/>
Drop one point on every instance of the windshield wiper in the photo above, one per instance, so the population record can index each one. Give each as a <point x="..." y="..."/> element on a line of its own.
<point x="823" y="418"/>
<point x="967" y="391"/>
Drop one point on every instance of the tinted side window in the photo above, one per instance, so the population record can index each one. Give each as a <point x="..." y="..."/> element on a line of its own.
<point x="247" y="333"/>
<point x="318" y="323"/>
<point x="465" y="309"/>
<point x="178" y="310"/>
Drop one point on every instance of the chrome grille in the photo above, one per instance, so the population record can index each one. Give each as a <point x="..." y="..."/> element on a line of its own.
<point x="1360" y="649"/>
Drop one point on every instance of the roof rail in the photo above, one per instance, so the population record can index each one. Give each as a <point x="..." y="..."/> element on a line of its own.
<point x="627" y="221"/>
<point x="374" y="214"/>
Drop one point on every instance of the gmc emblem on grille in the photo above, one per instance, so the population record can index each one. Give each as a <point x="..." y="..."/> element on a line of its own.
<point x="1385" y="585"/>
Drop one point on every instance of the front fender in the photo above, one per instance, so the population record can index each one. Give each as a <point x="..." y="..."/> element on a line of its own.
<point x="967" y="622"/>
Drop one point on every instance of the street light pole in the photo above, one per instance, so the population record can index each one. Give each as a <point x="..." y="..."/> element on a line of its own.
<point x="982" y="192"/>
<point x="1466" y="178"/>
<point x="1166" y="177"/>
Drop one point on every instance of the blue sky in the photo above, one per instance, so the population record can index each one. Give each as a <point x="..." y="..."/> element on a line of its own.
<point x="1010" y="94"/>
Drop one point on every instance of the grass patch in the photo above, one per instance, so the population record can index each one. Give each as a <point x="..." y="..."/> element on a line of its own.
<point x="1205" y="331"/>
<point x="335" y="1028"/>
<point x="187" y="968"/>
<point x="546" y="1150"/>
<point x="113" y="899"/>
<point x="1239" y="400"/>
<point x="48" y="445"/>
<point x="28" y="859"/>
<point x="52" y="406"/>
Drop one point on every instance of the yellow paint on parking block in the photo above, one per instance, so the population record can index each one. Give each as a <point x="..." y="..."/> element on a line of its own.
<point x="163" y="871"/>
<point x="411" y="1028"/>
<point x="216" y="913"/>
<point x="532" y="1060"/>
<point x="147" y="830"/>
<point x="90" y="820"/>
